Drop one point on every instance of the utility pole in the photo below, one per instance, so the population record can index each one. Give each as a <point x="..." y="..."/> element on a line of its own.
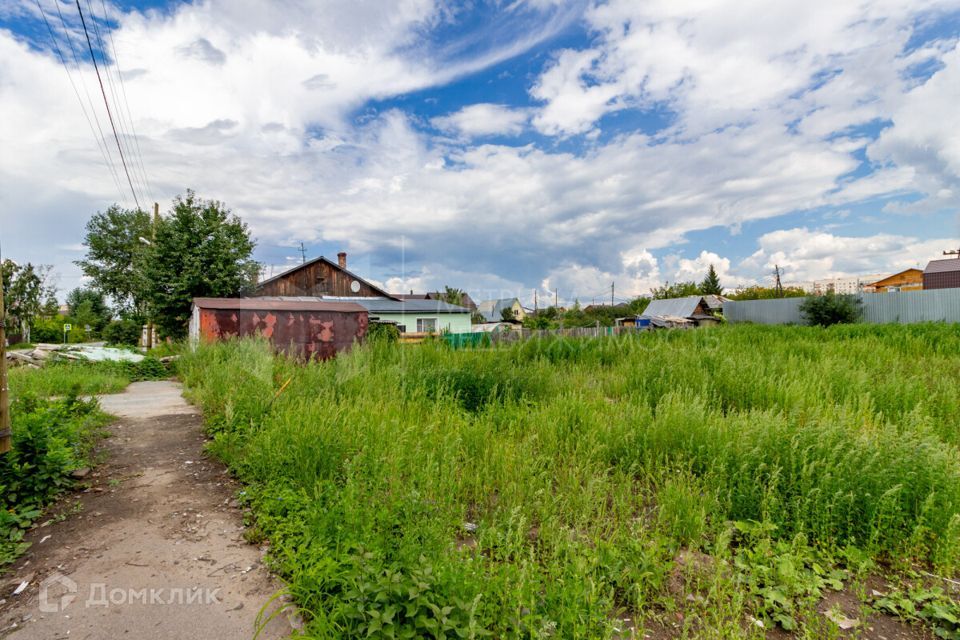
<point x="612" y="285"/>
<point x="5" y="434"/>
<point x="153" y="239"/>
<point x="777" y="285"/>
<point x="556" y="298"/>
<point x="535" y="309"/>
<point x="303" y="253"/>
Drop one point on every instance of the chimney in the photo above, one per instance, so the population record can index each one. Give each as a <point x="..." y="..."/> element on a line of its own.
<point x="342" y="259"/>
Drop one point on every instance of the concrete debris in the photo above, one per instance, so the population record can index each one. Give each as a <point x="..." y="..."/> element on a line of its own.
<point x="43" y="353"/>
<point x="841" y="620"/>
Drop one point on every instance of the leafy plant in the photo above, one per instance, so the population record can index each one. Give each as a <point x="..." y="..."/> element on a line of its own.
<point x="831" y="308"/>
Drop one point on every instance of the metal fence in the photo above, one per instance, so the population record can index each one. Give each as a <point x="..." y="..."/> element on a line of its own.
<point x="904" y="307"/>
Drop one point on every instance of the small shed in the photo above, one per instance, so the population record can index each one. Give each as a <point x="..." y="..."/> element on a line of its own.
<point x="305" y="330"/>
<point x="693" y="309"/>
<point x="942" y="274"/>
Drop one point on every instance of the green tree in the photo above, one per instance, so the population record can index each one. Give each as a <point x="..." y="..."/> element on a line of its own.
<point x="88" y="307"/>
<point x="711" y="283"/>
<point x="25" y="288"/>
<point x="452" y="295"/>
<point x="118" y="244"/>
<point x="831" y="308"/>
<point x="200" y="250"/>
<point x="675" y="290"/>
<point x="757" y="292"/>
<point x="507" y="315"/>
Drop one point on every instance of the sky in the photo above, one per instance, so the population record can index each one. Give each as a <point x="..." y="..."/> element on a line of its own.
<point x="502" y="147"/>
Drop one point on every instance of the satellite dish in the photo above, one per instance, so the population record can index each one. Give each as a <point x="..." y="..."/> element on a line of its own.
<point x="355" y="286"/>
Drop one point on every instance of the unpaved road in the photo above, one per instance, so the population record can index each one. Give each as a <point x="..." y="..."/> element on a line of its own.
<point x="153" y="549"/>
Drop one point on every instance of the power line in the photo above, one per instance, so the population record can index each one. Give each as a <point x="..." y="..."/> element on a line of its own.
<point x="107" y="104"/>
<point x="99" y="139"/>
<point x="124" y="136"/>
<point x="123" y="89"/>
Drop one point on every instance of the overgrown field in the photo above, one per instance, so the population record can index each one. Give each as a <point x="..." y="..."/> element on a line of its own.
<point x="711" y="483"/>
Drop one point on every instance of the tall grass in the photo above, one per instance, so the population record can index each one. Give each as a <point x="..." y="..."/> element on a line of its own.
<point x="544" y="488"/>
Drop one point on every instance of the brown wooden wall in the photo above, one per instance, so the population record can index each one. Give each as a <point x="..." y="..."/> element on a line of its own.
<point x="318" y="279"/>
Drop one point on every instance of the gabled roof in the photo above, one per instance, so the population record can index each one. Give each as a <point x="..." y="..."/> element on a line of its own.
<point x="378" y="305"/>
<point x="492" y="310"/>
<point x="943" y="266"/>
<point x="714" y="302"/>
<point x="331" y="263"/>
<point x="892" y="276"/>
<point x="673" y="307"/>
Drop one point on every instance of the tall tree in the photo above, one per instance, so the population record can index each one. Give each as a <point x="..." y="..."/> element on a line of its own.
<point x="200" y="250"/>
<point x="452" y="295"/>
<point x="711" y="283"/>
<point x="118" y="243"/>
<point x="25" y="288"/>
<point x="88" y="307"/>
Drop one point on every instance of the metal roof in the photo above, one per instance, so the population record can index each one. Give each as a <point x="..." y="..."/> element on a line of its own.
<point x="277" y="304"/>
<point x="380" y="305"/>
<point x="943" y="266"/>
<point x="672" y="307"/>
<point x="492" y="310"/>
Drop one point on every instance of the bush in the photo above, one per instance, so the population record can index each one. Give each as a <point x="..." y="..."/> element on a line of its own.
<point x="125" y="331"/>
<point x="384" y="332"/>
<point x="50" y="440"/>
<point x="830" y="309"/>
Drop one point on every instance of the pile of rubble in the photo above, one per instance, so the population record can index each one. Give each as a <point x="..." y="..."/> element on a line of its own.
<point x="44" y="353"/>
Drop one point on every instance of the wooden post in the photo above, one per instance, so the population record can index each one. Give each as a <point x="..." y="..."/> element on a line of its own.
<point x="153" y="237"/>
<point x="5" y="444"/>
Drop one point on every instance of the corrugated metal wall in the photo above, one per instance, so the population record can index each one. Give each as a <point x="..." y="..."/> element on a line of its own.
<point x="939" y="305"/>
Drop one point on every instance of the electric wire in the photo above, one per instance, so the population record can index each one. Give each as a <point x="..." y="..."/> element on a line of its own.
<point x="117" y="111"/>
<point x="104" y="151"/>
<point x="103" y="91"/>
<point x="123" y="90"/>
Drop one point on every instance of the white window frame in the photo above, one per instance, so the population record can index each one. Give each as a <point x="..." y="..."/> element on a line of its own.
<point x="422" y="321"/>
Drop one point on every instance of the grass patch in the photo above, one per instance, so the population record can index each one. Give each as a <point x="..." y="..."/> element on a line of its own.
<point x="83" y="378"/>
<point x="552" y="488"/>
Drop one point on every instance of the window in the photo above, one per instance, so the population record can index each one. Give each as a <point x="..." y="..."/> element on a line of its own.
<point x="426" y="325"/>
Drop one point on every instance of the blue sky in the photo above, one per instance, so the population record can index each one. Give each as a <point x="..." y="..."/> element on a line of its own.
<point x="503" y="147"/>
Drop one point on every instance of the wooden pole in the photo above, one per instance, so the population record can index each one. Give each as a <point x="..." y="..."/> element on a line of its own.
<point x="153" y="238"/>
<point x="5" y="443"/>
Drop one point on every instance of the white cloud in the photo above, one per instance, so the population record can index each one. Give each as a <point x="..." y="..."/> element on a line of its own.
<point x="804" y="254"/>
<point x="484" y="119"/>
<point x="257" y="107"/>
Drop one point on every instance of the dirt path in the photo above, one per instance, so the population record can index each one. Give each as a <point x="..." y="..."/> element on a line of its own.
<point x="153" y="549"/>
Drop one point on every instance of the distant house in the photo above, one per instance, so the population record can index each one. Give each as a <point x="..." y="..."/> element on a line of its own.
<point x="942" y="274"/>
<point x="906" y="280"/>
<point x="320" y="277"/>
<point x="677" y="312"/>
<point x="415" y="316"/>
<point x="492" y="310"/>
<point x="322" y="280"/>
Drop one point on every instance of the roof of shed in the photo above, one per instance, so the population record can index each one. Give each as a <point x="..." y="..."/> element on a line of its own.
<point x="943" y="266"/>
<point x="382" y="305"/>
<point x="277" y="304"/>
<point x="672" y="307"/>
<point x="492" y="310"/>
